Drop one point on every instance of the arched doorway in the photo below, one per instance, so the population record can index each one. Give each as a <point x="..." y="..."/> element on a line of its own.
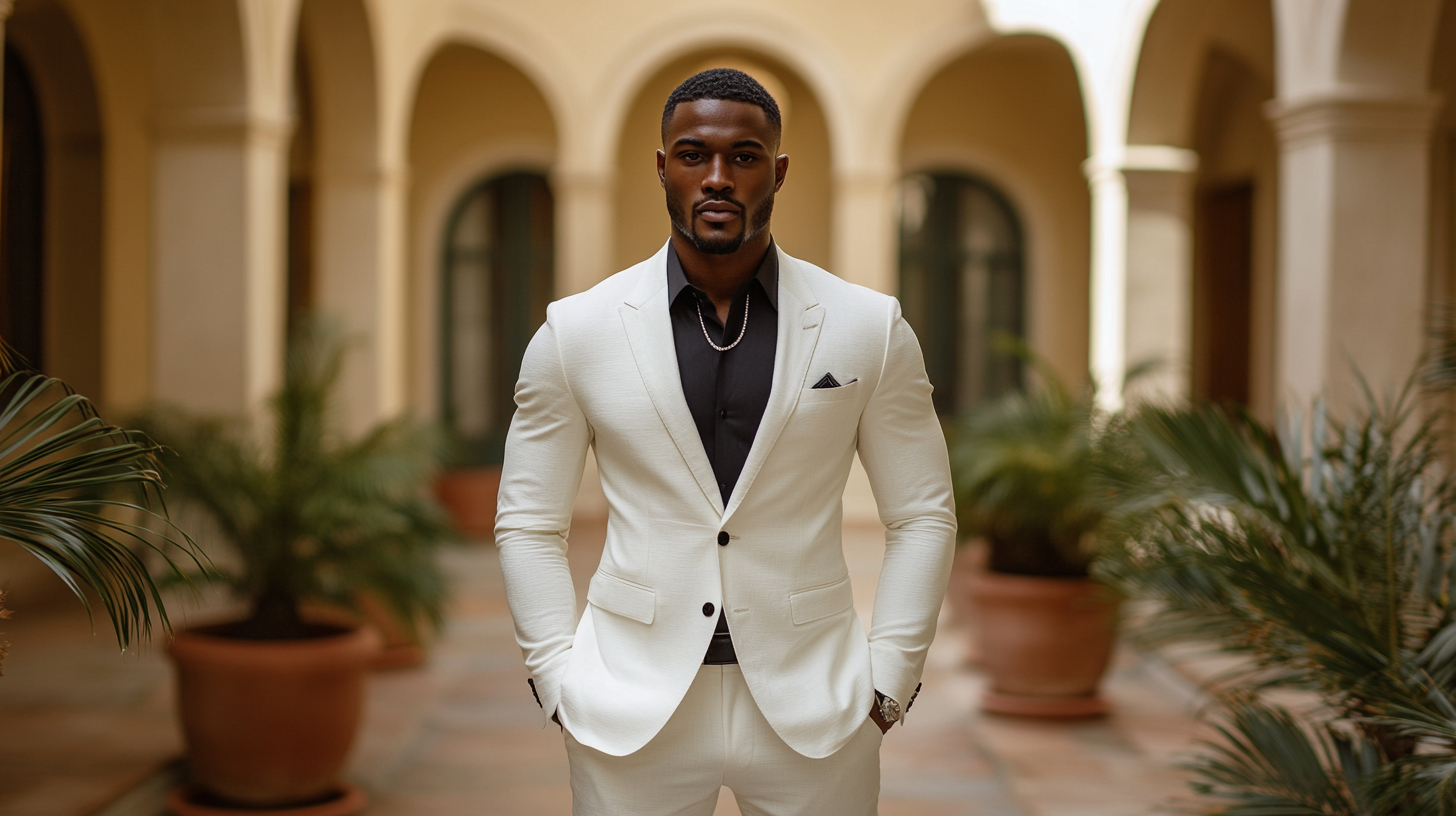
<point x="496" y="280"/>
<point x="803" y="208"/>
<point x="22" y="218"/>
<point x="476" y="118"/>
<point x="962" y="284"/>
<point x="51" y="216"/>
<point x="992" y="150"/>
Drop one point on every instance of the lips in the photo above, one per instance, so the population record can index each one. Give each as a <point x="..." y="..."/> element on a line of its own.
<point x="718" y="212"/>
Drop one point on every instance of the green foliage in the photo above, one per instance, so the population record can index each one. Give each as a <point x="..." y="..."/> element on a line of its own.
<point x="314" y="517"/>
<point x="1035" y="474"/>
<point x="1331" y="573"/>
<point x="79" y="494"/>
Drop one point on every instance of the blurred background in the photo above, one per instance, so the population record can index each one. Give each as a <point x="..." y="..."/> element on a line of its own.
<point x="1256" y="193"/>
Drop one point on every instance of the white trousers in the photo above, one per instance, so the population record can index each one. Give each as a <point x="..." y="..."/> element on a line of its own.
<point x="717" y="738"/>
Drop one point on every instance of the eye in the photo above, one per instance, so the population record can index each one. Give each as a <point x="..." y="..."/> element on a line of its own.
<point x="745" y="158"/>
<point x="691" y="155"/>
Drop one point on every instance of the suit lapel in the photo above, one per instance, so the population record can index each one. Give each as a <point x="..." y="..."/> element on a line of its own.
<point x="649" y="332"/>
<point x="800" y="320"/>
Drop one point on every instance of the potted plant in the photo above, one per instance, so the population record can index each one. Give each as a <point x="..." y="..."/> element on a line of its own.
<point x="1031" y="475"/>
<point x="1324" y="557"/>
<point x="82" y="495"/>
<point x="270" y="702"/>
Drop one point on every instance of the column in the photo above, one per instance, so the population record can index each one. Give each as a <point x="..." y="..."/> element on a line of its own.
<point x="583" y="229"/>
<point x="217" y="249"/>
<point x="1352" y="243"/>
<point x="1108" y="342"/>
<point x="1159" y="327"/>
<point x="866" y="229"/>
<point x="360" y="282"/>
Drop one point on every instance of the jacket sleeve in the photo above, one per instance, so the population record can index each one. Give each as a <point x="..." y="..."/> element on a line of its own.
<point x="904" y="453"/>
<point x="545" y="453"/>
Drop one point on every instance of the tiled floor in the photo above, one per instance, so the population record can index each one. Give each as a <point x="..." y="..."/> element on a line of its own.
<point x="80" y="725"/>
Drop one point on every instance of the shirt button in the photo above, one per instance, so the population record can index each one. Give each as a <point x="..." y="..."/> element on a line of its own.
<point x="707" y="610"/>
<point x="723" y="539"/>
<point x="723" y="414"/>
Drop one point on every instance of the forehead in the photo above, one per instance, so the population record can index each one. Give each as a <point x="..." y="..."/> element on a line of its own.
<point x="720" y="119"/>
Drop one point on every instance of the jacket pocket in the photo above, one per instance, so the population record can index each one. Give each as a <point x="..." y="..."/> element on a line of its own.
<point x="622" y="597"/>
<point x="827" y="396"/>
<point x="821" y="602"/>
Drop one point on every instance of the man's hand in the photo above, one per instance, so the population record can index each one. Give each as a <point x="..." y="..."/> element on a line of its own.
<point x="880" y="721"/>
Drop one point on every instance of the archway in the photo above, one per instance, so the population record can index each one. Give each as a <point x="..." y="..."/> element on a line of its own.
<point x="1007" y="120"/>
<point x="1205" y="72"/>
<point x="52" y="214"/>
<point x="803" y="209"/>
<point x="480" y="128"/>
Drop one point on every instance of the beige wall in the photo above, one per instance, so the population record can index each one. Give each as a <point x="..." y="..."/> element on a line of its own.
<point x="1011" y="113"/>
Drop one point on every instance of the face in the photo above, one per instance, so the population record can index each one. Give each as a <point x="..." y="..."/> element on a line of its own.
<point x="720" y="173"/>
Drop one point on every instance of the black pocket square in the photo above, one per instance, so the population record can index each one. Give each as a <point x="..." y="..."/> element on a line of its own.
<point x="828" y="381"/>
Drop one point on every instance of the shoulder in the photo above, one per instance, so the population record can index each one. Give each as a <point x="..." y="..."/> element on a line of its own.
<point x="587" y="308"/>
<point x="847" y="299"/>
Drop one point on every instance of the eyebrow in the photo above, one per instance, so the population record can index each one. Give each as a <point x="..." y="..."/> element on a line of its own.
<point x="690" y="141"/>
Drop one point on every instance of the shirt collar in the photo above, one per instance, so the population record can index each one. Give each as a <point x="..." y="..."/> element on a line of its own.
<point x="767" y="275"/>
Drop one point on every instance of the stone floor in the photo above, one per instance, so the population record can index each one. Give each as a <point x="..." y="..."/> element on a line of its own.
<point x="86" y="732"/>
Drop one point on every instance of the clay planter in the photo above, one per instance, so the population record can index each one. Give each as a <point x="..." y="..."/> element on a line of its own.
<point x="1045" y="642"/>
<point x="269" y="723"/>
<point x="469" y="496"/>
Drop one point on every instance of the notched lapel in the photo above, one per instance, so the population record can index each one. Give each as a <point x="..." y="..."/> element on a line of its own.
<point x="797" y="339"/>
<point x="649" y="333"/>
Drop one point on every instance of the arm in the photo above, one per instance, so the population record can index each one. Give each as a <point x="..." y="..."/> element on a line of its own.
<point x="903" y="450"/>
<point x="545" y="453"/>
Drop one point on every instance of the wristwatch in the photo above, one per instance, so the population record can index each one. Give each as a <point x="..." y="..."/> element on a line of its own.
<point x="889" y="708"/>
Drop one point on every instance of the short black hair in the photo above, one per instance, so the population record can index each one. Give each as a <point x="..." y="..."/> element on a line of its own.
<point x="723" y="83"/>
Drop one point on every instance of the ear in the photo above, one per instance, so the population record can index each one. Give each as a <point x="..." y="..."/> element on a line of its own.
<point x="781" y="170"/>
<point x="662" y="169"/>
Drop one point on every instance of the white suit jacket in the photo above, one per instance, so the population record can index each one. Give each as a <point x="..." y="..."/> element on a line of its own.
<point x="602" y="373"/>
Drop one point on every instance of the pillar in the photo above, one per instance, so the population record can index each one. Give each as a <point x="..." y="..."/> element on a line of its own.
<point x="1353" y="251"/>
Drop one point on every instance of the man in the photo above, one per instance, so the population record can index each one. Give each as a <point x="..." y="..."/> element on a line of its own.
<point x="725" y="388"/>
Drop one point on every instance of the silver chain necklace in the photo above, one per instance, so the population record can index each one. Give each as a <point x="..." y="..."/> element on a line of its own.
<point x="747" y="297"/>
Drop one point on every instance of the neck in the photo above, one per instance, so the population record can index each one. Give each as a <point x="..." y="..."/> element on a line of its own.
<point x="721" y="276"/>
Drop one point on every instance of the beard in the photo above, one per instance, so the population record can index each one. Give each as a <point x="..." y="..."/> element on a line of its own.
<point x="755" y="222"/>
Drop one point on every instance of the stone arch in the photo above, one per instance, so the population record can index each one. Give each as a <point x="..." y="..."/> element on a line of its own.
<point x="55" y="60"/>
<point x="767" y="38"/>
<point x="476" y="114"/>
<point x="1011" y="111"/>
<point x="803" y="208"/>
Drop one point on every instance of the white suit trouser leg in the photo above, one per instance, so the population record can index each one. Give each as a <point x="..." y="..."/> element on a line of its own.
<point x="717" y="737"/>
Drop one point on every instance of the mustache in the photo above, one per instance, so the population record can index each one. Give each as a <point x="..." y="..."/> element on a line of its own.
<point x="722" y="199"/>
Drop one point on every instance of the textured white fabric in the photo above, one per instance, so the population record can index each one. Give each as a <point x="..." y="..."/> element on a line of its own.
<point x="717" y="737"/>
<point x="602" y="372"/>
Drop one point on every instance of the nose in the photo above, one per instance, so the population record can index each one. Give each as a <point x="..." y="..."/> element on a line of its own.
<point x="717" y="179"/>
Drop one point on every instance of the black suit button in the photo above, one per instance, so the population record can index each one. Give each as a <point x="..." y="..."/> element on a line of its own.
<point x="707" y="610"/>
<point x="723" y="414"/>
<point x="723" y="538"/>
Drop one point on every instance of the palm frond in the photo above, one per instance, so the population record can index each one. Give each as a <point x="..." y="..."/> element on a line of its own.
<point x="59" y="462"/>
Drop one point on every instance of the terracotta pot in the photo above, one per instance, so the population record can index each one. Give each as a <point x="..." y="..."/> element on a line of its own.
<point x="270" y="723"/>
<point x="469" y="495"/>
<point x="1045" y="642"/>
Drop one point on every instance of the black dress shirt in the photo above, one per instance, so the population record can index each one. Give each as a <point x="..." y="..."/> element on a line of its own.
<point x="726" y="391"/>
